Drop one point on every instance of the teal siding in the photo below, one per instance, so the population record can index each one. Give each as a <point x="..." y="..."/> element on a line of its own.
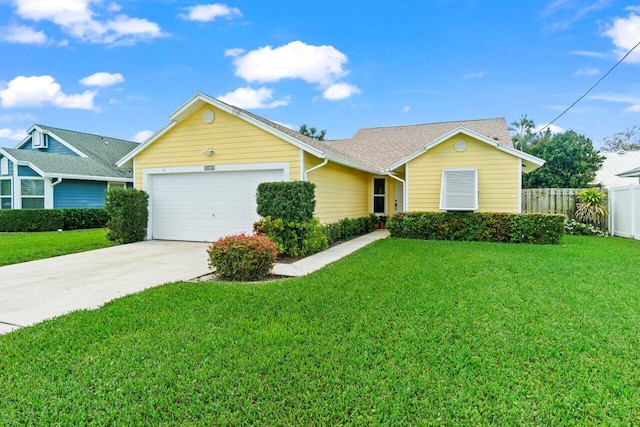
<point x="79" y="194"/>
<point x="26" y="171"/>
<point x="54" y="147"/>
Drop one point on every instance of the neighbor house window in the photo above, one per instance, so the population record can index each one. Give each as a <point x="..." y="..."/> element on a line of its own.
<point x="459" y="190"/>
<point x="32" y="192"/>
<point x="5" y="194"/>
<point x="379" y="196"/>
<point x="117" y="184"/>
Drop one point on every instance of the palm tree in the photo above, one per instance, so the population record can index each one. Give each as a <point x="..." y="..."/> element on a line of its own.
<point x="524" y="133"/>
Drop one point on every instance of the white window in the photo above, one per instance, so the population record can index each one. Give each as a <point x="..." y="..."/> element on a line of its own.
<point x="379" y="196"/>
<point x="4" y="166"/>
<point x="459" y="190"/>
<point x="5" y="194"/>
<point x="32" y="193"/>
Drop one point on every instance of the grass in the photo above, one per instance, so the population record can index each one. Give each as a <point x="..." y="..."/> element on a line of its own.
<point x="399" y="333"/>
<point x="22" y="247"/>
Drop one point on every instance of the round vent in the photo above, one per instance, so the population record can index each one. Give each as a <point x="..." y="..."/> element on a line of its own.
<point x="208" y="116"/>
<point x="460" y="145"/>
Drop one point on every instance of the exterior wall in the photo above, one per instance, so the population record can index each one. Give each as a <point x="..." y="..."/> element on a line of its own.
<point x="340" y="191"/>
<point x="79" y="194"/>
<point x="498" y="175"/>
<point x="233" y="140"/>
<point x="26" y="171"/>
<point x="54" y="147"/>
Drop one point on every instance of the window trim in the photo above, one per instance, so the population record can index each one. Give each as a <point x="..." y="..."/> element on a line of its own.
<point x="383" y="196"/>
<point x="22" y="196"/>
<point x="7" y="196"/>
<point x="446" y="192"/>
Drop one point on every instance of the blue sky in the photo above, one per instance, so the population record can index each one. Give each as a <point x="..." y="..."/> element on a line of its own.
<point x="119" y="68"/>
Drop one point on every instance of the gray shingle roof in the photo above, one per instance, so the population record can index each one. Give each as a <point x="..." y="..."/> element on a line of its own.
<point x="102" y="154"/>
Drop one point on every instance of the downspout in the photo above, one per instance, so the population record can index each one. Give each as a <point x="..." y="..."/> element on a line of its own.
<point x="53" y="184"/>
<point x="324" y="163"/>
<point x="404" y="190"/>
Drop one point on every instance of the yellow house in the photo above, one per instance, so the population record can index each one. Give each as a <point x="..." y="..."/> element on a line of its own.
<point x="201" y="170"/>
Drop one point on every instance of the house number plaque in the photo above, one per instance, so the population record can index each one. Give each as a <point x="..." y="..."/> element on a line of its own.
<point x="209" y="167"/>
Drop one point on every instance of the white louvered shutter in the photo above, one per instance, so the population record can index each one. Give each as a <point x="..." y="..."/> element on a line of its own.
<point x="459" y="190"/>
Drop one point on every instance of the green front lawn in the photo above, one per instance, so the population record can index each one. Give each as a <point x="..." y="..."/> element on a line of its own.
<point x="22" y="247"/>
<point x="400" y="333"/>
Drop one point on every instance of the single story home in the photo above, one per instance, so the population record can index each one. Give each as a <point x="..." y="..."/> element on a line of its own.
<point x="615" y="168"/>
<point x="201" y="170"/>
<point x="57" y="168"/>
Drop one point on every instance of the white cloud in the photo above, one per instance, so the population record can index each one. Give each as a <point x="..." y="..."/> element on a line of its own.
<point x="552" y="128"/>
<point x="340" y="91"/>
<point x="476" y="75"/>
<point x="13" y="134"/>
<point x="296" y="60"/>
<point x="233" y="52"/>
<point x="246" y="97"/>
<point x="142" y="136"/>
<point x="12" y="118"/>
<point x="624" y="32"/>
<point x="287" y="125"/>
<point x="77" y="19"/>
<point x="587" y="71"/>
<point x="102" y="79"/>
<point x="406" y="109"/>
<point x="210" y="12"/>
<point x="22" y="34"/>
<point x="36" y="91"/>
<point x="634" y="101"/>
<point x="588" y="53"/>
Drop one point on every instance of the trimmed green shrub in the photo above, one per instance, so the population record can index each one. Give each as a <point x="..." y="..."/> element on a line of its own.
<point x="128" y="214"/>
<point x="294" y="239"/>
<point x="348" y="228"/>
<point x="82" y="219"/>
<point x="31" y="220"/>
<point x="291" y="201"/>
<point x="242" y="258"/>
<point x="484" y="227"/>
<point x="571" y="226"/>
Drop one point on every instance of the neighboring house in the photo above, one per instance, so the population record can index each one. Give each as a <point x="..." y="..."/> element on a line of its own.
<point x="57" y="168"/>
<point x="201" y="170"/>
<point x="612" y="173"/>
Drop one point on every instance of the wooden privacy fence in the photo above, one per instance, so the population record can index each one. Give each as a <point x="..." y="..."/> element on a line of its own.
<point x="624" y="211"/>
<point x="550" y="200"/>
<point x="553" y="201"/>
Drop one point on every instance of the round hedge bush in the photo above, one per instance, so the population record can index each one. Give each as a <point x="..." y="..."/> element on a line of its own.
<point x="243" y="258"/>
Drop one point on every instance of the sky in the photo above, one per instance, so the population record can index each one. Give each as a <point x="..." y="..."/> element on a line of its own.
<point x="120" y="68"/>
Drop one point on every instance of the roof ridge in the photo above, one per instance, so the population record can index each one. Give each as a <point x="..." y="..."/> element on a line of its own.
<point x="432" y="123"/>
<point x="84" y="133"/>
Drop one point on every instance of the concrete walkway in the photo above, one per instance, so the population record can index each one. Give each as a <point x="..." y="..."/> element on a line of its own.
<point x="34" y="291"/>
<point x="315" y="262"/>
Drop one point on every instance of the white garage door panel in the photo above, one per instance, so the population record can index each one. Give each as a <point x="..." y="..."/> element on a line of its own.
<point x="205" y="206"/>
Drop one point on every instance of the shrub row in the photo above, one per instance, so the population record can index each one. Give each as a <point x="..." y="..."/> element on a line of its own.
<point x="34" y="220"/>
<point x="291" y="201"/>
<point x="242" y="258"/>
<point x="484" y="227"/>
<point x="571" y="226"/>
<point x="294" y="239"/>
<point x="348" y="228"/>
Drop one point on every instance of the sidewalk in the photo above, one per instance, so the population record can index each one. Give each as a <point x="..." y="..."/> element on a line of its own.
<point x="315" y="262"/>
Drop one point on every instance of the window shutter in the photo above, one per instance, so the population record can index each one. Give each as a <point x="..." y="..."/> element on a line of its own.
<point x="459" y="190"/>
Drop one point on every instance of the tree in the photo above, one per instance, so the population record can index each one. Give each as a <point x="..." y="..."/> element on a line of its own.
<point x="312" y="132"/>
<point x="623" y="140"/>
<point x="524" y="133"/>
<point x="571" y="162"/>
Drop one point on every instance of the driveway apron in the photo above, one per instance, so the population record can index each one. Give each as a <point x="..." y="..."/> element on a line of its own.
<point x="38" y="290"/>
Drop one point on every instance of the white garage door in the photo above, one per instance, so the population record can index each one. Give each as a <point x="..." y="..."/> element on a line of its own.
<point x="204" y="206"/>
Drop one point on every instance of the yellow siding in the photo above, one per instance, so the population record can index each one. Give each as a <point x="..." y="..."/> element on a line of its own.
<point x="340" y="191"/>
<point x="232" y="139"/>
<point x="498" y="175"/>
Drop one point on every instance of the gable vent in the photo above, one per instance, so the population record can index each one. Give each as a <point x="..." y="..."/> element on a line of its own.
<point x="459" y="190"/>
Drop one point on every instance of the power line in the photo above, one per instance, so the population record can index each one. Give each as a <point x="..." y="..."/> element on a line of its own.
<point x="590" y="89"/>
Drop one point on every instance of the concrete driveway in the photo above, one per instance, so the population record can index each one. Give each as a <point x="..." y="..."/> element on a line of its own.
<point x="34" y="291"/>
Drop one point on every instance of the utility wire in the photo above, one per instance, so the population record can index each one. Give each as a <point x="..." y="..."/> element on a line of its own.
<point x="590" y="89"/>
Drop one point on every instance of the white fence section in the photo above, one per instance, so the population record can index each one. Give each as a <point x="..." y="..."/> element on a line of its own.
<point x="624" y="211"/>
